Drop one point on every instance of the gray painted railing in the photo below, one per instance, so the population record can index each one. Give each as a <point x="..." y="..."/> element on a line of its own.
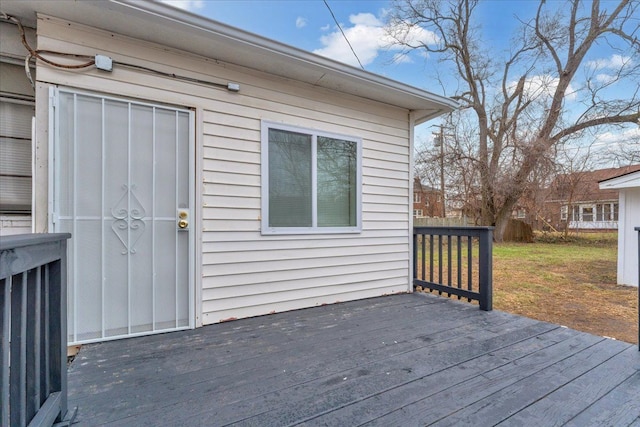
<point x="33" y="321"/>
<point x="455" y="260"/>
<point x="638" y="230"/>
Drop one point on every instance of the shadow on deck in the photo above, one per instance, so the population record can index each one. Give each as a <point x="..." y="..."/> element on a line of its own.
<point x="411" y="359"/>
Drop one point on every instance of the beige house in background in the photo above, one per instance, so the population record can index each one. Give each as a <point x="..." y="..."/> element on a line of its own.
<point x="205" y="173"/>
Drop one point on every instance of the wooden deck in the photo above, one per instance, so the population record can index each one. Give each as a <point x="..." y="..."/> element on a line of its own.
<point x="401" y="360"/>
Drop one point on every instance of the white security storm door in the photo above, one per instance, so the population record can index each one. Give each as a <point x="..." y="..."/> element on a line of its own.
<point x="121" y="186"/>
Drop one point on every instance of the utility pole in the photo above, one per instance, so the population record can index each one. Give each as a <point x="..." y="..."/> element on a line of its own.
<point x="440" y="139"/>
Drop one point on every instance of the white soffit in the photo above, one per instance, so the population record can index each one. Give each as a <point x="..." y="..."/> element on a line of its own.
<point x="158" y="23"/>
<point x="630" y="180"/>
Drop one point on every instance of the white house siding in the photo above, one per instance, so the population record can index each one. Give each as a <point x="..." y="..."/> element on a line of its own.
<point x="242" y="272"/>
<point x="628" y="237"/>
<point x="15" y="224"/>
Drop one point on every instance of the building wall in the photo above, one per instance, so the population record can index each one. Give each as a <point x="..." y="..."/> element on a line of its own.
<point x="628" y="237"/>
<point x="241" y="272"/>
<point x="15" y="88"/>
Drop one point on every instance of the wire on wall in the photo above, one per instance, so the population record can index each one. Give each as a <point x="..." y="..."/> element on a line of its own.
<point x="37" y="53"/>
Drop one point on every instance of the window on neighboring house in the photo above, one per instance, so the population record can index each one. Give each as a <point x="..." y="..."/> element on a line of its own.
<point x="311" y="181"/>
<point x="575" y="213"/>
<point x="563" y="212"/>
<point x="587" y="213"/>
<point x="607" y="212"/>
<point x="416" y="197"/>
<point x="417" y="213"/>
<point x="15" y="155"/>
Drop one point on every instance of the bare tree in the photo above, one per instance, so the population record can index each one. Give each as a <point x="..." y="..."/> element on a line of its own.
<point x="529" y="101"/>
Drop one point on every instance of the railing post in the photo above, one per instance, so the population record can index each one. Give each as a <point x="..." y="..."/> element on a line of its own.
<point x="638" y="230"/>
<point x="486" y="270"/>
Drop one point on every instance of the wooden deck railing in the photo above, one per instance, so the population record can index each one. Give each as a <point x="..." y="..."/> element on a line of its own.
<point x="455" y="260"/>
<point x="33" y="319"/>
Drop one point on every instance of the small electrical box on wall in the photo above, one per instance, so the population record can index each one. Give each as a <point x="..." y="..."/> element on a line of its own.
<point x="103" y="63"/>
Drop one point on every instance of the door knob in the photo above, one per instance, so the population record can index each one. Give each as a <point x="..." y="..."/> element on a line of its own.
<point x="183" y="223"/>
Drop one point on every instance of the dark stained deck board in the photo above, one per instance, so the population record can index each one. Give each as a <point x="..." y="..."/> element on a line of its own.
<point x="400" y="360"/>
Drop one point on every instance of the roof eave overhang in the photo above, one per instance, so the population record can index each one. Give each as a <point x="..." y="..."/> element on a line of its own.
<point x="150" y="21"/>
<point x="629" y="180"/>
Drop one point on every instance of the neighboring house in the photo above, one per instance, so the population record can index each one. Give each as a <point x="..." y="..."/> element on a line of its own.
<point x="427" y="201"/>
<point x="628" y="186"/>
<point x="577" y="202"/>
<point x="207" y="173"/>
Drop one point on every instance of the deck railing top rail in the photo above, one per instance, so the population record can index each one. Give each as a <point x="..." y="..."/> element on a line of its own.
<point x="473" y="231"/>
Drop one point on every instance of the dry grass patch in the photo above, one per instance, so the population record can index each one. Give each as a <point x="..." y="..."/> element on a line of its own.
<point x="571" y="283"/>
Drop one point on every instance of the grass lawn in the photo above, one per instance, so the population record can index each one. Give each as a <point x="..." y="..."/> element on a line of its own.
<point x="571" y="283"/>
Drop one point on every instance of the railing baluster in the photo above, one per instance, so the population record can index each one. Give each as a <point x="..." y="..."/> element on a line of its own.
<point x="38" y="339"/>
<point x="6" y="334"/>
<point x="423" y="258"/>
<point x="431" y="257"/>
<point x="47" y="335"/>
<point x="449" y="262"/>
<point x="23" y="352"/>
<point x="440" y="281"/>
<point x="459" y="252"/>
<point x="415" y="255"/>
<point x="470" y="264"/>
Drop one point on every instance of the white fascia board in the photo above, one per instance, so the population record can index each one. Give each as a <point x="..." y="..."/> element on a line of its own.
<point x="631" y="180"/>
<point x="152" y="21"/>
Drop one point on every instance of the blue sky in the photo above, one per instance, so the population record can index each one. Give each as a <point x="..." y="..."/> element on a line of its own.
<point x="308" y="25"/>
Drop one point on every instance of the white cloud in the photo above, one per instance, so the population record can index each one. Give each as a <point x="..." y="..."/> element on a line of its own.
<point x="631" y="135"/>
<point x="190" y="5"/>
<point x="325" y="27"/>
<point x="616" y="62"/>
<point x="300" y="22"/>
<point x="368" y="37"/>
<point x="605" y="78"/>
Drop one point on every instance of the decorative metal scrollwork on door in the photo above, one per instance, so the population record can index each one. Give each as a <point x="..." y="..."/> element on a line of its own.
<point x="128" y="224"/>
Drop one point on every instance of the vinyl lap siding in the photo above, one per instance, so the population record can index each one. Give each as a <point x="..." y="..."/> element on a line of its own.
<point x="244" y="273"/>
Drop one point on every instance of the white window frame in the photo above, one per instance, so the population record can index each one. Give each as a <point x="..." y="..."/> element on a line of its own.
<point x="416" y="197"/>
<point x="417" y="213"/>
<point x="314" y="133"/>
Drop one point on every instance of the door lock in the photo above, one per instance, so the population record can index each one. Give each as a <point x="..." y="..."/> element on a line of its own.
<point x="183" y="219"/>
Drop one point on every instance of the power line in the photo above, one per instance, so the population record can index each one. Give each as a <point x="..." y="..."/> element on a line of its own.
<point x="343" y="34"/>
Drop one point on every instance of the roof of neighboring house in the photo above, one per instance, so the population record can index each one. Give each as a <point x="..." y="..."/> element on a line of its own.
<point x="178" y="29"/>
<point x="585" y="187"/>
<point x="626" y="180"/>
